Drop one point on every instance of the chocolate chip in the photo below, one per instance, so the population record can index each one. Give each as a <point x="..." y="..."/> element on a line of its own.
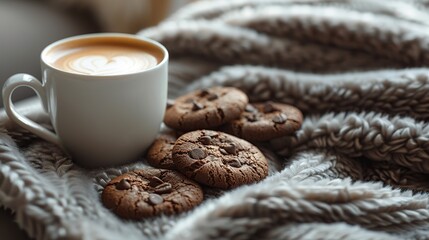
<point x="155" y="181"/>
<point x="212" y="96"/>
<point x="280" y="119"/>
<point x="123" y="185"/>
<point x="234" y="163"/>
<point x="206" y="140"/>
<point x="204" y="92"/>
<point x="196" y="105"/>
<point x="269" y="107"/>
<point x="250" y="108"/>
<point x="163" y="188"/>
<point x="155" y="199"/>
<point x="252" y="118"/>
<point x="197" y="153"/>
<point x="170" y="103"/>
<point x="223" y="151"/>
<point x="231" y="148"/>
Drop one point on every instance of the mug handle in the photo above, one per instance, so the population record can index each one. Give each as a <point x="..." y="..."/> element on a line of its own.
<point x="26" y="80"/>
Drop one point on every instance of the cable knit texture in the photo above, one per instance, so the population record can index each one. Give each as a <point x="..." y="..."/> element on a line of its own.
<point x="357" y="169"/>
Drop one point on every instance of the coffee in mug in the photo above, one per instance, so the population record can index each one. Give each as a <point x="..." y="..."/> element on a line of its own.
<point x="105" y="95"/>
<point x="111" y="57"/>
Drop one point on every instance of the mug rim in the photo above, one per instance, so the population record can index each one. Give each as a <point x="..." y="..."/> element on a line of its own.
<point x="94" y="35"/>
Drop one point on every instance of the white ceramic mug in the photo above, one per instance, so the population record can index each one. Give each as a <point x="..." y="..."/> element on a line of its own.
<point x="99" y="120"/>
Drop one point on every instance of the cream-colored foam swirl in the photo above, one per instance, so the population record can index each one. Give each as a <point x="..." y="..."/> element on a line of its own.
<point x="103" y="65"/>
<point x="104" y="60"/>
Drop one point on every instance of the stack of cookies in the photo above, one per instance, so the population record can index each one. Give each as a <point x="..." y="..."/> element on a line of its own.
<point x="209" y="146"/>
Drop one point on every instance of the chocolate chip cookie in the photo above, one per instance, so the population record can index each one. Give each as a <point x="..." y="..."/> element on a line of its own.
<point x="159" y="153"/>
<point x="218" y="159"/>
<point x="205" y="109"/>
<point x="265" y="121"/>
<point x="150" y="192"/>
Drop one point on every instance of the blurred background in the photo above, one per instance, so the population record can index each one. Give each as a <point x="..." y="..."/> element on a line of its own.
<point x="27" y="26"/>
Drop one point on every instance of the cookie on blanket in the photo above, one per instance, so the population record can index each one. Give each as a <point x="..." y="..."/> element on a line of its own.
<point x="207" y="108"/>
<point x="218" y="159"/>
<point x="159" y="153"/>
<point x="265" y="121"/>
<point x="150" y="192"/>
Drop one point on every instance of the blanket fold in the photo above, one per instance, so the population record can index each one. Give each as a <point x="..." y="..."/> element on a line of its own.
<point x="357" y="169"/>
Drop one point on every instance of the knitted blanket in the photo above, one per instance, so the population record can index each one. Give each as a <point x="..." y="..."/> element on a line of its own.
<point x="357" y="169"/>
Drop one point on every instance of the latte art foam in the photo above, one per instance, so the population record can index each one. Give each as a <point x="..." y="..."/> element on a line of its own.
<point x="110" y="65"/>
<point x="103" y="60"/>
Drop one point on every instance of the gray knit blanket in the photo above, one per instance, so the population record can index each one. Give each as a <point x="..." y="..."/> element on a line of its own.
<point x="357" y="169"/>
